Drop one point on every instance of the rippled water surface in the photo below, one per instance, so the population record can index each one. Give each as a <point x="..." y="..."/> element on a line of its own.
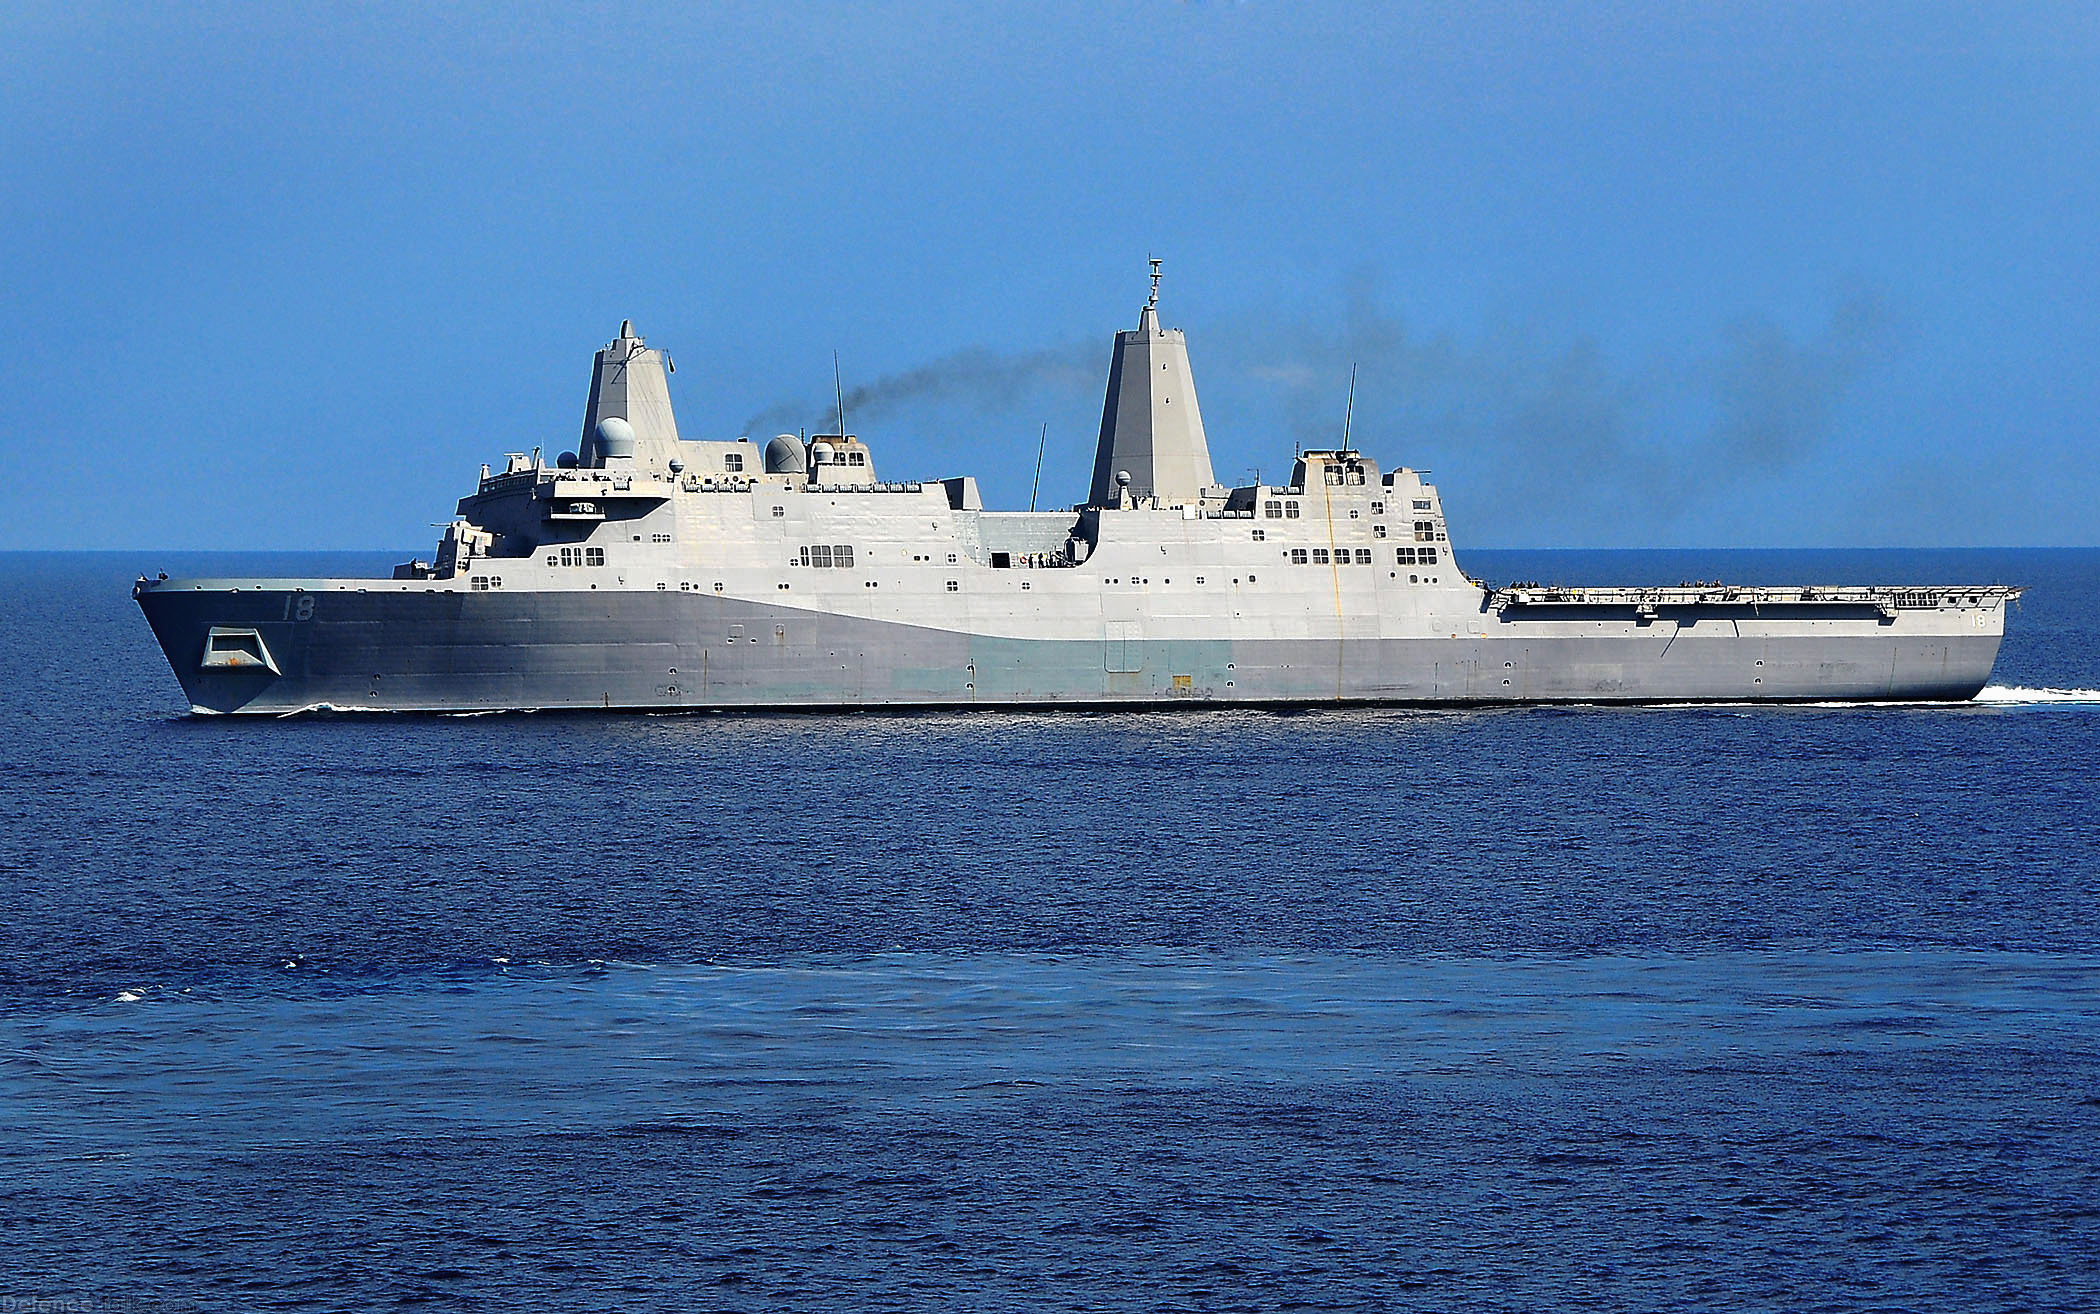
<point x="1682" y="1008"/>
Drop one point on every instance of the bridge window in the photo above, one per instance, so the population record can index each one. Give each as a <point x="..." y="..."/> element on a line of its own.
<point x="1404" y="556"/>
<point x="824" y="556"/>
<point x="857" y="458"/>
<point x="1377" y="508"/>
<point x="733" y="462"/>
<point x="1273" y="510"/>
<point x="1429" y="556"/>
<point x="1297" y="556"/>
<point x="1363" y="556"/>
<point x="1421" y="504"/>
<point x="594" y="556"/>
<point x="953" y="586"/>
<point x="1378" y="531"/>
<point x="1290" y="510"/>
<point x="1260" y="534"/>
<point x="779" y="511"/>
<point x="1319" y="556"/>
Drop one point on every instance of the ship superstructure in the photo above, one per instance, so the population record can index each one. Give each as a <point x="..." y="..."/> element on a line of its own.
<point x="646" y="570"/>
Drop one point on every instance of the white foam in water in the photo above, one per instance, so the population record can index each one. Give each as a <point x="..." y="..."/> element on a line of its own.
<point x="2005" y="693"/>
<point x="129" y="997"/>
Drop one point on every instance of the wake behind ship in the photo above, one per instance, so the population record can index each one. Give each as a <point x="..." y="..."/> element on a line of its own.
<point x="649" y="571"/>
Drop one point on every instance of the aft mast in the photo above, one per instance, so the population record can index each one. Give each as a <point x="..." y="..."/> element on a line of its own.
<point x="1151" y="426"/>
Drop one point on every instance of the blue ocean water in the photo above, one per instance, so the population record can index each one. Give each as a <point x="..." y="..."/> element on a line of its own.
<point x="1664" y="1008"/>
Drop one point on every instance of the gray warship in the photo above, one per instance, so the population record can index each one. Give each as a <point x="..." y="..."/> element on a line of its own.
<point x="648" y="571"/>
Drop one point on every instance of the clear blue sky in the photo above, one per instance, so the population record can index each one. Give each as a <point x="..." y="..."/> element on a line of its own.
<point x="1619" y="275"/>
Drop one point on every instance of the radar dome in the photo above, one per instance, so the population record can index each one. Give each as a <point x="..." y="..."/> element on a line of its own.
<point x="784" y="455"/>
<point x="677" y="465"/>
<point x="823" y="454"/>
<point x="566" y="461"/>
<point x="615" y="438"/>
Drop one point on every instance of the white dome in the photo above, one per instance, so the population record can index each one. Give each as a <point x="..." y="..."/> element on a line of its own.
<point x="615" y="437"/>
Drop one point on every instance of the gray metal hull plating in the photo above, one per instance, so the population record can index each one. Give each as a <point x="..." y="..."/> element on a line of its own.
<point x="455" y="651"/>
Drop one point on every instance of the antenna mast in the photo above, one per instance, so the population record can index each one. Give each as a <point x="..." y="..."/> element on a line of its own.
<point x="1349" y="412"/>
<point x="1152" y="302"/>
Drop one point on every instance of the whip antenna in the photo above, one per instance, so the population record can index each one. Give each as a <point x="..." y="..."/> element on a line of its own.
<point x="1041" y="438"/>
<point x="838" y="390"/>
<point x="1349" y="411"/>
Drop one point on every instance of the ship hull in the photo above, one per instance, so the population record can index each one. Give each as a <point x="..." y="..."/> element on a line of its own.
<point x="456" y="651"/>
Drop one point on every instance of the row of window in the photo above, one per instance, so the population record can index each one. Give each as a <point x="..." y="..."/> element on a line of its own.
<point x="828" y="555"/>
<point x="1425" y="531"/>
<point x="578" y="556"/>
<point x="1319" y="557"/>
<point x="483" y="583"/>
<point x="1289" y="510"/>
<point x="1406" y="556"/>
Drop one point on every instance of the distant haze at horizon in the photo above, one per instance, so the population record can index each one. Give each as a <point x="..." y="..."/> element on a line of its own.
<point x="1659" y="277"/>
